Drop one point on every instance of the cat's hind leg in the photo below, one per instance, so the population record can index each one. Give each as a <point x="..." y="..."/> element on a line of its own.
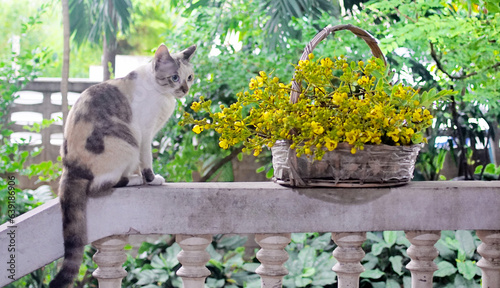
<point x="115" y="167"/>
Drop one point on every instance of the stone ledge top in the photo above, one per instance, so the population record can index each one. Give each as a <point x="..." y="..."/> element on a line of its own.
<point x="258" y="207"/>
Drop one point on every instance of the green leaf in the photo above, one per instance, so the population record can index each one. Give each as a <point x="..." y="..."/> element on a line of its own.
<point x="397" y="264"/>
<point x="299" y="237"/>
<point x="490" y="168"/>
<point x="270" y="173"/>
<point x="492" y="7"/>
<point x="445" y="268"/>
<point x="466" y="242"/>
<point x="146" y="277"/>
<point x="444" y="250"/>
<point x="373" y="237"/>
<point x="307" y="256"/>
<point x="353" y="66"/>
<point x="171" y="258"/>
<point x="377" y="248"/>
<point x="231" y="242"/>
<point x="157" y="262"/>
<point x="478" y="170"/>
<point x="372" y="274"/>
<point x="391" y="283"/>
<point x="321" y="241"/>
<point x="261" y="169"/>
<point x="302" y="282"/>
<point x="467" y="269"/>
<point x="308" y="272"/>
<point x="453" y="244"/>
<point x="324" y="278"/>
<point x="371" y="261"/>
<point x="390" y="237"/>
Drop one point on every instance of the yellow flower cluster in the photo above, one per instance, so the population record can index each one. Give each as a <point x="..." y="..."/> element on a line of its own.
<point x="339" y="102"/>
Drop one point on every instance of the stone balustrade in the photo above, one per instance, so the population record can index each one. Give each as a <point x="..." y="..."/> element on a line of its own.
<point x="196" y="211"/>
<point x="46" y="108"/>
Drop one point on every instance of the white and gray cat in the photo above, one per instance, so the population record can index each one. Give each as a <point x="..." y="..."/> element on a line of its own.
<point x="107" y="142"/>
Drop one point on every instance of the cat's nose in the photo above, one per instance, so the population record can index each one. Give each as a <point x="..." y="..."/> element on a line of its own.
<point x="184" y="87"/>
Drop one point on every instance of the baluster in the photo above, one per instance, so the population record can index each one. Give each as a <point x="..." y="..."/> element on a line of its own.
<point x="348" y="254"/>
<point x="109" y="259"/>
<point x="272" y="256"/>
<point x="193" y="258"/>
<point x="490" y="261"/>
<point x="422" y="253"/>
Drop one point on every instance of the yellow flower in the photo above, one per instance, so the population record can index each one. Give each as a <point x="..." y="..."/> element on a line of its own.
<point x="197" y="129"/>
<point x="196" y="106"/>
<point x="223" y="144"/>
<point x="330" y="144"/>
<point x="253" y="84"/>
<point x="417" y="116"/>
<point x="394" y="134"/>
<point x="327" y="62"/>
<point x="317" y="128"/>
<point x="257" y="151"/>
<point x="409" y="131"/>
<point x="310" y="56"/>
<point x="351" y="136"/>
<point x="353" y="150"/>
<point x="338" y="98"/>
<point x="238" y="126"/>
<point x="363" y="80"/>
<point x="260" y="81"/>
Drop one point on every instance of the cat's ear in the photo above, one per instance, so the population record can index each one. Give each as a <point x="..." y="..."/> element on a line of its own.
<point x="188" y="53"/>
<point x="162" y="55"/>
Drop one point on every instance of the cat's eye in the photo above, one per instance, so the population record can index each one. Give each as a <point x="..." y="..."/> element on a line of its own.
<point x="190" y="77"/>
<point x="175" y="78"/>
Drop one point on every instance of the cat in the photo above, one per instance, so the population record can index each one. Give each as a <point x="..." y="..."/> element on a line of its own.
<point x="107" y="142"/>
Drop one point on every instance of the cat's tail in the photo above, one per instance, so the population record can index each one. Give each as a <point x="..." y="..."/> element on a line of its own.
<point x="73" y="199"/>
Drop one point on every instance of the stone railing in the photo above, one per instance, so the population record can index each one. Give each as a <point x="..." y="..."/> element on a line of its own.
<point x="195" y="211"/>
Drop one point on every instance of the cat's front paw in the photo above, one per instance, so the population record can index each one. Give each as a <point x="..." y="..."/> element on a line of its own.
<point x="158" y="180"/>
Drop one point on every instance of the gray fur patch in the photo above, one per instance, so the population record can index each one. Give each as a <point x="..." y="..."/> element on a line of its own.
<point x="95" y="142"/>
<point x="188" y="53"/>
<point x="65" y="147"/>
<point x="122" y="183"/>
<point x="105" y="104"/>
<point x="77" y="170"/>
<point x="132" y="75"/>
<point x="148" y="174"/>
<point x="105" y="101"/>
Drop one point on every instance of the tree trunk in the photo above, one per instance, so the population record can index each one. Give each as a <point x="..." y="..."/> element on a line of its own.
<point x="105" y="60"/>
<point x="494" y="144"/>
<point x="108" y="57"/>
<point x="65" y="67"/>
<point x="109" y="46"/>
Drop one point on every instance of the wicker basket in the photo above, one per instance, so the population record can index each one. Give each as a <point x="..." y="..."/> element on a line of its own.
<point x="375" y="166"/>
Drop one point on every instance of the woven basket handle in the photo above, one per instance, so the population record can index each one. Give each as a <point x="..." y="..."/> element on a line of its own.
<point x="369" y="39"/>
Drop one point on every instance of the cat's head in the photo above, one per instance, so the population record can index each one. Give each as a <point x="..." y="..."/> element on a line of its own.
<point x="173" y="72"/>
